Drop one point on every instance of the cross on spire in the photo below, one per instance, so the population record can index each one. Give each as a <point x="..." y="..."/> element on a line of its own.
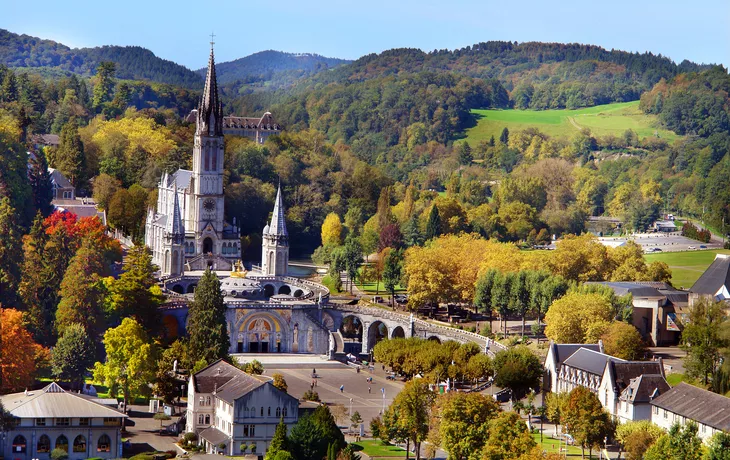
<point x="212" y="40"/>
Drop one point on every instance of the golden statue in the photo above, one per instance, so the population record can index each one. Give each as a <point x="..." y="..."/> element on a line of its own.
<point x="238" y="270"/>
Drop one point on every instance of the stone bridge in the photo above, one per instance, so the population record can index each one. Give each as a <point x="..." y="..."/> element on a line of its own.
<point x="379" y="323"/>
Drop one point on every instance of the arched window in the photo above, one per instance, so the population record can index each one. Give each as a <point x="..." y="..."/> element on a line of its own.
<point x="262" y="411"/>
<point x="80" y="443"/>
<point x="202" y="401"/>
<point x="19" y="446"/>
<point x="283" y="412"/>
<point x="104" y="444"/>
<point x="278" y="412"/>
<point x="207" y="419"/>
<point x="62" y="443"/>
<point x="201" y="419"/>
<point x="207" y="160"/>
<point x="253" y="412"/>
<point x="44" y="444"/>
<point x="269" y="414"/>
<point x="207" y="400"/>
<point x="215" y="160"/>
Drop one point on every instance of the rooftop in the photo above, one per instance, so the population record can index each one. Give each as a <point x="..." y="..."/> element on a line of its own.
<point x="227" y="381"/>
<point x="644" y="388"/>
<point x="562" y="351"/>
<point x="590" y="361"/>
<point x="53" y="401"/>
<point x="696" y="404"/>
<point x="714" y="278"/>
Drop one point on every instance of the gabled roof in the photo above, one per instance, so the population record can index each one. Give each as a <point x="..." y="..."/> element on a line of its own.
<point x="644" y="388"/>
<point x="213" y="435"/>
<point x="562" y="351"/>
<point x="590" y="361"/>
<point x="714" y="278"/>
<point x="696" y="404"/>
<point x="59" y="179"/>
<point x="53" y="401"/>
<point x="181" y="177"/>
<point x="623" y="372"/>
<point x="225" y="380"/>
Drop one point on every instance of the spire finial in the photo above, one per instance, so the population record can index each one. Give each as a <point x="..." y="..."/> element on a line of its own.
<point x="212" y="40"/>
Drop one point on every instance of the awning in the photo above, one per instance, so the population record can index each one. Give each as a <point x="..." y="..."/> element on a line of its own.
<point x="214" y="436"/>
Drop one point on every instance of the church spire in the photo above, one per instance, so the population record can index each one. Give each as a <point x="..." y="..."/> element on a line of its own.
<point x="278" y="221"/>
<point x="175" y="225"/>
<point x="210" y="111"/>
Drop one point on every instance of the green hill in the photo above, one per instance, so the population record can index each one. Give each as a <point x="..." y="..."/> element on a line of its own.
<point x="601" y="120"/>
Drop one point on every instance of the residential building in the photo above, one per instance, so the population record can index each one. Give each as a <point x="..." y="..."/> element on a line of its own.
<point x="62" y="188"/>
<point x="235" y="413"/>
<point x="685" y="403"/>
<point x="52" y="418"/>
<point x="557" y="354"/>
<point x="256" y="129"/>
<point x="655" y="309"/>
<point x="626" y="386"/>
<point x="584" y="368"/>
<point x="714" y="284"/>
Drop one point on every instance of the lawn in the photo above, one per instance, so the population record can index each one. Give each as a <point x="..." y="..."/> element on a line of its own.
<point x="375" y="449"/>
<point x="601" y="120"/>
<point x="552" y="445"/>
<point x="686" y="266"/>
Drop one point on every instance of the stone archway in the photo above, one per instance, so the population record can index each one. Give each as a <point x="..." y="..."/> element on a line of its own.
<point x="398" y="333"/>
<point x="269" y="290"/>
<point x="351" y="330"/>
<point x="178" y="289"/>
<point x="261" y="333"/>
<point x="285" y="290"/>
<point x="435" y="339"/>
<point x="191" y="288"/>
<point x="376" y="332"/>
<point x="208" y="246"/>
<point x="298" y="293"/>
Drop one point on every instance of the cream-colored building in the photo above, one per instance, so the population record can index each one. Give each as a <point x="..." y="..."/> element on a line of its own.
<point x="687" y="403"/>
<point x="627" y="387"/>
<point x="235" y="413"/>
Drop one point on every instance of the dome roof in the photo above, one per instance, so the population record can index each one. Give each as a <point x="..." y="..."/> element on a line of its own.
<point x="236" y="286"/>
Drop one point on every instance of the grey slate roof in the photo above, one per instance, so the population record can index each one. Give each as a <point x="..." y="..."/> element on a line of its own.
<point x="181" y="177"/>
<point x="213" y="435"/>
<point x="175" y="226"/>
<point x="590" y="361"/>
<point x="715" y="277"/>
<point x="644" y="388"/>
<point x="210" y="110"/>
<point x="623" y="372"/>
<point x="51" y="402"/>
<point x="562" y="351"/>
<point x="59" y="179"/>
<point x="637" y="288"/>
<point x="227" y="381"/>
<point x="696" y="404"/>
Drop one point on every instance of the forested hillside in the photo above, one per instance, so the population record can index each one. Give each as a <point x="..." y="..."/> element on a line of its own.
<point x="133" y="62"/>
<point x="265" y="65"/>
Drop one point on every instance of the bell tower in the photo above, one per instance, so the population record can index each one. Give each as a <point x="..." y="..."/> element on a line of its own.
<point x="207" y="179"/>
<point x="275" y="242"/>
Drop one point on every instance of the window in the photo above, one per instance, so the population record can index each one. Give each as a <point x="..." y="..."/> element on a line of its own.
<point x="201" y="420"/>
<point x="62" y="443"/>
<point x="111" y="421"/>
<point x="80" y="443"/>
<point x="40" y="422"/>
<point x="83" y="422"/>
<point x="703" y="427"/>
<point x="253" y="412"/>
<point x="207" y="419"/>
<point x="44" y="444"/>
<point x="202" y="401"/>
<point x="249" y="430"/>
<point x="656" y="410"/>
<point x="269" y="414"/>
<point x="283" y="411"/>
<point x="63" y="421"/>
<point x="262" y="411"/>
<point x="104" y="444"/>
<point x="665" y="414"/>
<point x="278" y="412"/>
<point x="207" y="400"/>
<point x="19" y="446"/>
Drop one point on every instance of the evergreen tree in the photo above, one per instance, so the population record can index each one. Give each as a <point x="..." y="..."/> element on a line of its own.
<point x="392" y="271"/>
<point x="69" y="157"/>
<point x="73" y="354"/>
<point x="433" y="226"/>
<point x="10" y="87"/>
<point x="104" y="87"/>
<point x="491" y="142"/>
<point x="81" y="292"/>
<point x="279" y="443"/>
<point x="465" y="155"/>
<point x="11" y="255"/>
<point x="207" y="321"/>
<point x="504" y="137"/>
<point x="325" y="422"/>
<point x="412" y="233"/>
<point x="133" y="293"/>
<point x="40" y="182"/>
<point x="32" y="290"/>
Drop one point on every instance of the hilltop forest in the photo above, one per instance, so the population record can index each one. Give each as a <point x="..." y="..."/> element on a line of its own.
<point x="373" y="142"/>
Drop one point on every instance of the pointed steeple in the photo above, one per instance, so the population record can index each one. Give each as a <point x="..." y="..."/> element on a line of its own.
<point x="278" y="221"/>
<point x="175" y="225"/>
<point x="210" y="111"/>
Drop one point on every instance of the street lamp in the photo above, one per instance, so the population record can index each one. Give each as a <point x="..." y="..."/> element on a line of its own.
<point x="350" y="407"/>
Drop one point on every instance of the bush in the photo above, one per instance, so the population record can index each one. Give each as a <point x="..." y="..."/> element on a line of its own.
<point x="190" y="438"/>
<point x="486" y="331"/>
<point x="311" y="396"/>
<point x="59" y="454"/>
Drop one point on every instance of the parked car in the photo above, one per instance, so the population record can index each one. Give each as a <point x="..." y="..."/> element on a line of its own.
<point x="703" y="246"/>
<point x="569" y="440"/>
<point x="691" y="247"/>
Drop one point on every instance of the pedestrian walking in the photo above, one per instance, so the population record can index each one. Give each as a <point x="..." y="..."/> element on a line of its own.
<point x="369" y="390"/>
<point x="342" y="388"/>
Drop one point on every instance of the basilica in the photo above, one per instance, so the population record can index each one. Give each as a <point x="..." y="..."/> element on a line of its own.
<point x="267" y="310"/>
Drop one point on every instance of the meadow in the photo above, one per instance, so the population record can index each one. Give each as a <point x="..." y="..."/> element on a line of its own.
<point x="601" y="120"/>
<point x="686" y="266"/>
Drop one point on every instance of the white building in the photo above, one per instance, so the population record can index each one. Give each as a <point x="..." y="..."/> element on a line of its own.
<point x="52" y="418"/>
<point x="584" y="368"/>
<point x="235" y="413"/>
<point x="627" y="386"/>
<point x="685" y="403"/>
<point x="557" y="354"/>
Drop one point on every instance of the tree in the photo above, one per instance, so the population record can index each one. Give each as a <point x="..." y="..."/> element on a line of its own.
<point x="623" y="341"/>
<point x="504" y="136"/>
<point x="517" y="369"/>
<point x="702" y="341"/>
<point x="19" y="352"/>
<point x="409" y="413"/>
<point x="81" y="292"/>
<point x="326" y="424"/>
<point x="104" y="87"/>
<point x="508" y="438"/>
<point x="353" y="259"/>
<point x="332" y="230"/>
<point x="355" y="420"/>
<point x="586" y="419"/>
<point x="40" y="182"/>
<point x="433" y="226"/>
<point x="279" y="382"/>
<point x="279" y="443"/>
<point x="520" y="296"/>
<point x="69" y="156"/>
<point x="636" y="437"/>
<point x="500" y="296"/>
<point x="307" y="441"/>
<point x="254" y="367"/>
<point x="135" y="293"/>
<point x="390" y="237"/>
<point x="161" y="416"/>
<point x="130" y="361"/>
<point x="460" y="423"/>
<point x="167" y="386"/>
<point x="73" y="355"/>
<point x="718" y="447"/>
<point x="412" y="233"/>
<point x="10" y="254"/>
<point x="681" y="443"/>
<point x="483" y="293"/>
<point x="392" y="271"/>
<point x="571" y="318"/>
<point x="465" y="155"/>
<point x="555" y="407"/>
<point x="105" y="186"/>
<point x="207" y="321"/>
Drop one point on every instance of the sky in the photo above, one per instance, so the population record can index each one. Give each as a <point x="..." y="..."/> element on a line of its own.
<point x="697" y="30"/>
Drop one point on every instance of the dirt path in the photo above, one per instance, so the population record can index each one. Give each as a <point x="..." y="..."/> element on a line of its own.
<point x="574" y="123"/>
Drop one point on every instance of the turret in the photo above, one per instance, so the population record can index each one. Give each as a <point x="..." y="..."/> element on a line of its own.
<point x="275" y="241"/>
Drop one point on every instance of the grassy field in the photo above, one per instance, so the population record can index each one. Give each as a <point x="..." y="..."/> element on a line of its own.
<point x="375" y="449"/>
<point x="552" y="445"/>
<point x="601" y="120"/>
<point x="686" y="266"/>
